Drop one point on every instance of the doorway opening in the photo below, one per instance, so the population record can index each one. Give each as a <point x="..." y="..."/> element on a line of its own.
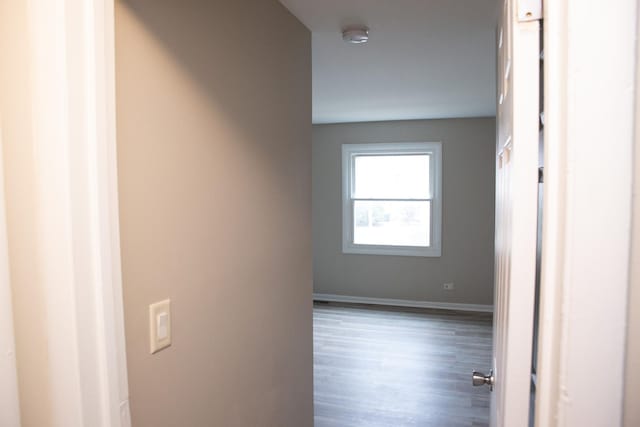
<point x="404" y="208"/>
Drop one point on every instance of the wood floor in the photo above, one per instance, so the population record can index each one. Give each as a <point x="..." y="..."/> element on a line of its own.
<point x="396" y="367"/>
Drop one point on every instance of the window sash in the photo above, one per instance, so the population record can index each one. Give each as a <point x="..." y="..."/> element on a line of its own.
<point x="422" y="152"/>
<point x="383" y="246"/>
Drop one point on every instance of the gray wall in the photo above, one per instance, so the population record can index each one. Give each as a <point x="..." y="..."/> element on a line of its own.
<point x="214" y="158"/>
<point x="468" y="150"/>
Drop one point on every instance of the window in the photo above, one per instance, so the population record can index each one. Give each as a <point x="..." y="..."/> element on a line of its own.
<point x="391" y="199"/>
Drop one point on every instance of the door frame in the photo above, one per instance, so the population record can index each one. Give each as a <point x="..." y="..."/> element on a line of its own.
<point x="589" y="116"/>
<point x="9" y="400"/>
<point x="58" y="110"/>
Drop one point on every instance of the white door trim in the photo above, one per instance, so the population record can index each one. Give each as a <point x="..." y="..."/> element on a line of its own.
<point x="589" y="81"/>
<point x="9" y="400"/>
<point x="94" y="220"/>
<point x="67" y="66"/>
<point x="105" y="212"/>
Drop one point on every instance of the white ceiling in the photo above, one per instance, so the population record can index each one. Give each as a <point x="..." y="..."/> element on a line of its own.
<point x="424" y="59"/>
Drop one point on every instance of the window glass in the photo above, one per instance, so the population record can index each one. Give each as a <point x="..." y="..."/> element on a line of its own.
<point x="392" y="223"/>
<point x="392" y="176"/>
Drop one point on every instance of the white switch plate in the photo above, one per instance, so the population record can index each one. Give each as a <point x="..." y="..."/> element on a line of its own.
<point x="159" y="326"/>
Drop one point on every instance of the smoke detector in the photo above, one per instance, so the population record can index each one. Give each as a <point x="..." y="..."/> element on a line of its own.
<point x="355" y="35"/>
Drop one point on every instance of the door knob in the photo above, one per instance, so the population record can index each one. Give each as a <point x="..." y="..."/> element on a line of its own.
<point x="478" y="379"/>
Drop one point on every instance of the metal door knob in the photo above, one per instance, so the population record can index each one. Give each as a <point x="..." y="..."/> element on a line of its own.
<point x="478" y="379"/>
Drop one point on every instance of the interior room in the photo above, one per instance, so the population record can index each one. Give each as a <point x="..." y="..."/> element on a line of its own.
<point x="426" y="74"/>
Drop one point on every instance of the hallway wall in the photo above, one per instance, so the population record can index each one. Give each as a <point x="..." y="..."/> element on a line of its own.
<point x="214" y="157"/>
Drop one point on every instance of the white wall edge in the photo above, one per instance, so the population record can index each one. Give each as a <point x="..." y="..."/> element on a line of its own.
<point x="403" y="303"/>
<point x="108" y="224"/>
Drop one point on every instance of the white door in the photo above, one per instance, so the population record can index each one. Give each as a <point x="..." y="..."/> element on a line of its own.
<point x="516" y="212"/>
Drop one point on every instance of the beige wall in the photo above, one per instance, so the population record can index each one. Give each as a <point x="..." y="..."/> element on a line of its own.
<point x="468" y="150"/>
<point x="214" y="157"/>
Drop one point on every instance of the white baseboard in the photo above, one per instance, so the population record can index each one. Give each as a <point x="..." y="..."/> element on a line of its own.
<point x="403" y="303"/>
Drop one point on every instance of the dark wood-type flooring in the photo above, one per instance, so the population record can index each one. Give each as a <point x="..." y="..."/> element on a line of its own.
<point x="394" y="367"/>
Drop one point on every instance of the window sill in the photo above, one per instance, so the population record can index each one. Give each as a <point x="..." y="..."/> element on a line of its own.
<point x="431" y="252"/>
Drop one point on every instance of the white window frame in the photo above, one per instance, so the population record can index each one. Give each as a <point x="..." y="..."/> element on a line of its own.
<point x="349" y="152"/>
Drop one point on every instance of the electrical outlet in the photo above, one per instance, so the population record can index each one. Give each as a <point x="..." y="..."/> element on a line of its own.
<point x="448" y="286"/>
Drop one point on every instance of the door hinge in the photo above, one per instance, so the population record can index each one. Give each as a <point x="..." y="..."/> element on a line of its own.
<point x="540" y="175"/>
<point x="529" y="10"/>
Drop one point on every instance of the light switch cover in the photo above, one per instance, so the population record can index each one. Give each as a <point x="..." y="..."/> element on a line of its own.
<point x="159" y="326"/>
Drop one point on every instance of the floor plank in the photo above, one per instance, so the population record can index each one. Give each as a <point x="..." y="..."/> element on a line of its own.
<point x="394" y="367"/>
